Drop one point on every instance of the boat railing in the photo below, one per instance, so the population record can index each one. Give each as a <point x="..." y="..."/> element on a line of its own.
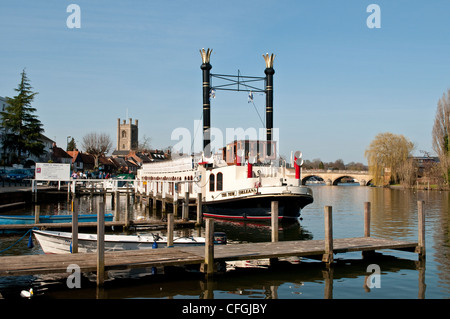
<point x="179" y="165"/>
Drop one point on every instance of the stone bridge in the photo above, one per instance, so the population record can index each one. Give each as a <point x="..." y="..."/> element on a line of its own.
<point x="333" y="177"/>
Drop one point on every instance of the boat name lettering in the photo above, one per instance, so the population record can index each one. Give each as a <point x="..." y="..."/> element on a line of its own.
<point x="228" y="194"/>
<point x="247" y="191"/>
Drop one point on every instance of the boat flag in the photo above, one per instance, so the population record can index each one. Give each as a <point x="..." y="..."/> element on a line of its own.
<point x="250" y="97"/>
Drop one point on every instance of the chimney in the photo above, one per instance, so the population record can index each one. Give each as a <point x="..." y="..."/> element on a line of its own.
<point x="269" y="71"/>
<point x="206" y="68"/>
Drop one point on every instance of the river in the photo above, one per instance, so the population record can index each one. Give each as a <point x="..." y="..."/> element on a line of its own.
<point x="394" y="216"/>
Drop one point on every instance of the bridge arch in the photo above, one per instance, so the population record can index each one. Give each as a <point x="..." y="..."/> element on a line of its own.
<point x="361" y="181"/>
<point x="312" y="177"/>
<point x="337" y="180"/>
<point x="332" y="177"/>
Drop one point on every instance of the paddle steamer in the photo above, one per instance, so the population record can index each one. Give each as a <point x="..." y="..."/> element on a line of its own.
<point x="243" y="179"/>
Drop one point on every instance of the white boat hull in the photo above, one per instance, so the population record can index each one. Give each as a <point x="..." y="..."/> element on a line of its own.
<point x="53" y="242"/>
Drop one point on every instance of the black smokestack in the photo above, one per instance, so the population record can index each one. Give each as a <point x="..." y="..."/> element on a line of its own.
<point x="206" y="67"/>
<point x="269" y="71"/>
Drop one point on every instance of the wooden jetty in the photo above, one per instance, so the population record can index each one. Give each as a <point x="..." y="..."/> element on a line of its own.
<point x="209" y="255"/>
<point x="181" y="256"/>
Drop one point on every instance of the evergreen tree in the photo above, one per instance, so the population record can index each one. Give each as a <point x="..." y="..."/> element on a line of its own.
<point x="71" y="146"/>
<point x="23" y="128"/>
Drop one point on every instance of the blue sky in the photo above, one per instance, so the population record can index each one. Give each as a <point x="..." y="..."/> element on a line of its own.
<point x="337" y="83"/>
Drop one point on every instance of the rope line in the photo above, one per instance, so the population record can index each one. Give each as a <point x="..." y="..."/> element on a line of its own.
<point x="1" y="251"/>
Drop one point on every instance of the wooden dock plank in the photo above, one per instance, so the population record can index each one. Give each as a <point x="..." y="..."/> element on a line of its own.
<point x="119" y="260"/>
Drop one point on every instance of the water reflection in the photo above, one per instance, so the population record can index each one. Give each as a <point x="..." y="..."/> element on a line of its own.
<point x="306" y="280"/>
<point x="394" y="216"/>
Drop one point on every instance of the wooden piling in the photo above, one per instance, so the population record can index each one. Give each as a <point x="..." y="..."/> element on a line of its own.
<point x="175" y="201"/>
<point x="209" y="246"/>
<point x="199" y="210"/>
<point x="328" y="256"/>
<point x="175" y="208"/>
<point x="74" y="228"/>
<point x="37" y="212"/>
<point x="274" y="227"/>
<point x="185" y="212"/>
<point x="100" y="244"/>
<point x="367" y="211"/>
<point x="170" y="227"/>
<point x="163" y="205"/>
<point x="274" y="207"/>
<point x="421" y="228"/>
<point x="116" y="205"/>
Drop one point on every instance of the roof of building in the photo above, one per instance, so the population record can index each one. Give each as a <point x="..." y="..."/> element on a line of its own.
<point x="59" y="152"/>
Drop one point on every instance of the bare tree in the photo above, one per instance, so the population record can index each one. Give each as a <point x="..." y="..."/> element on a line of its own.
<point x="407" y="172"/>
<point x="97" y="145"/>
<point x="144" y="144"/>
<point x="441" y="131"/>
<point x="387" y="153"/>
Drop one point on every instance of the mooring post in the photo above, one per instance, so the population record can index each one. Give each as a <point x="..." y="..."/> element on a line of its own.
<point x="127" y="209"/>
<point x="101" y="244"/>
<point x="175" y="208"/>
<point x="199" y="210"/>
<point x="274" y="227"/>
<point x="37" y="212"/>
<point x="367" y="219"/>
<point x="328" y="256"/>
<point x="367" y="213"/>
<point x="421" y="227"/>
<point x="35" y="194"/>
<point x="116" y="205"/>
<point x="170" y="227"/>
<point x="209" y="246"/>
<point x="185" y="212"/>
<point x="274" y="207"/>
<point x="175" y="200"/>
<point x="74" y="228"/>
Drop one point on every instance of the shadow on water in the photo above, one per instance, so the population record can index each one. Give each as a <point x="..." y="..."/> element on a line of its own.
<point x="308" y="279"/>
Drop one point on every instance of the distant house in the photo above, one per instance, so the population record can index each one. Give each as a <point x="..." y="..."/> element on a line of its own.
<point x="138" y="158"/>
<point x="107" y="165"/>
<point x="124" y="166"/>
<point x="58" y="155"/>
<point x="133" y="160"/>
<point x="158" y="155"/>
<point x="81" y="161"/>
<point x="44" y="158"/>
<point x="423" y="163"/>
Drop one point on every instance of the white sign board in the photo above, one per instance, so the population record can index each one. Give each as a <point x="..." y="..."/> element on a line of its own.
<point x="52" y="172"/>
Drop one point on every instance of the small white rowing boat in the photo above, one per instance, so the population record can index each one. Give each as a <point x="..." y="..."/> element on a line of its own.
<point x="54" y="242"/>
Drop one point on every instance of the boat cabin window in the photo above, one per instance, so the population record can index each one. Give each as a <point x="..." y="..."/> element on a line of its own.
<point x="219" y="182"/>
<point x="211" y="183"/>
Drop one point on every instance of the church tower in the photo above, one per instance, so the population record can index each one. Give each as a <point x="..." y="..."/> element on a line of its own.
<point x="127" y="135"/>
